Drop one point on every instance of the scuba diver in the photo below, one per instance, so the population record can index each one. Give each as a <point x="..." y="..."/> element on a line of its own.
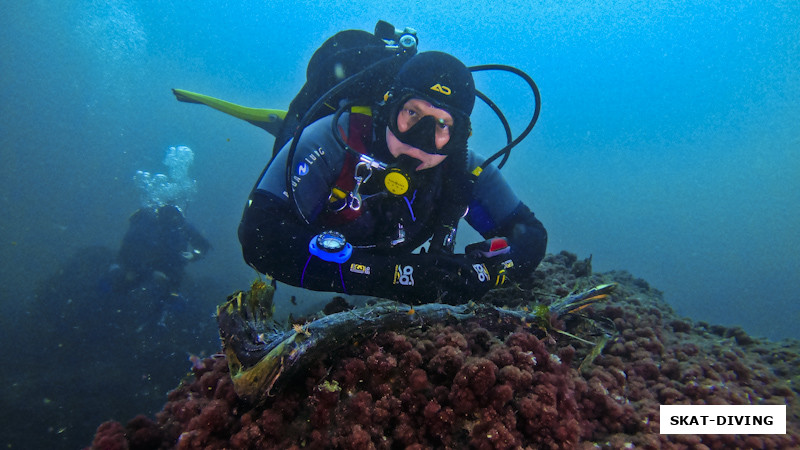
<point x="156" y="248"/>
<point x="376" y="167"/>
<point x="358" y="224"/>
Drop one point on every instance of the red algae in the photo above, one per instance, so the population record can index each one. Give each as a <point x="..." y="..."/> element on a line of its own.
<point x="475" y="384"/>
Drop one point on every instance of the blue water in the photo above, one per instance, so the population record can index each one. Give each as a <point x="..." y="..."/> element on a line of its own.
<point x="668" y="143"/>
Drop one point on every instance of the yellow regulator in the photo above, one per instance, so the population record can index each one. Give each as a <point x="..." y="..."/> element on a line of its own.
<point x="396" y="181"/>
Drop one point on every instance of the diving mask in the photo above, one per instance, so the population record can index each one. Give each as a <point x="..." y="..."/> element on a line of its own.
<point x="422" y="133"/>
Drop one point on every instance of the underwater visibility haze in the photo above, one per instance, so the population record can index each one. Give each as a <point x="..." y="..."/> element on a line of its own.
<point x="668" y="146"/>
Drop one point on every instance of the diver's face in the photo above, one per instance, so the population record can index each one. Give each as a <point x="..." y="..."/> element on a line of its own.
<point x="412" y="111"/>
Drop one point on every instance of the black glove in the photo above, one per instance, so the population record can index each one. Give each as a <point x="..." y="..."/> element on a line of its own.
<point x="495" y="255"/>
<point x="461" y="278"/>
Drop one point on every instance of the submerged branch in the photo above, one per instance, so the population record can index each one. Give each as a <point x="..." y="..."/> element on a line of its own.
<point x="263" y="358"/>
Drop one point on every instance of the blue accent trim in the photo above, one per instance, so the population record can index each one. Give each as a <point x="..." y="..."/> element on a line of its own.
<point x="409" y="203"/>
<point x="480" y="219"/>
<point x="303" y="276"/>
<point x="341" y="277"/>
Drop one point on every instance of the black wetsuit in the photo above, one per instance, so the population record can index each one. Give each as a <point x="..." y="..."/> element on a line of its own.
<point x="387" y="229"/>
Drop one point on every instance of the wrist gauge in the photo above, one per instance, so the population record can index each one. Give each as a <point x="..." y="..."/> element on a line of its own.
<point x="330" y="246"/>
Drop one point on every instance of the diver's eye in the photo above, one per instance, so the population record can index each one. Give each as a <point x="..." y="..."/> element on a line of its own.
<point x="442" y="126"/>
<point x="411" y="116"/>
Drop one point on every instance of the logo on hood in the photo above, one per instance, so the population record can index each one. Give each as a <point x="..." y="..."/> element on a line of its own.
<point x="441" y="89"/>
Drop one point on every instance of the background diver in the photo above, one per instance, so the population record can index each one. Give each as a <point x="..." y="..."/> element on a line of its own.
<point x="157" y="247"/>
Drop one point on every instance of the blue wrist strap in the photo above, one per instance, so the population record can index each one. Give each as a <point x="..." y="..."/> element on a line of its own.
<point x="339" y="257"/>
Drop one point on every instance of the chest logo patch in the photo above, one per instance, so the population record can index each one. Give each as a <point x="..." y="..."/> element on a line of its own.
<point x="403" y="275"/>
<point x="302" y="169"/>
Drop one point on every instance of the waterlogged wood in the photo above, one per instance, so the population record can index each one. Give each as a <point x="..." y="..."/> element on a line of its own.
<point x="262" y="357"/>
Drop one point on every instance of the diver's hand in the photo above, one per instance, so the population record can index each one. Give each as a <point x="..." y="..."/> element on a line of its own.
<point x="495" y="254"/>
<point x="489" y="248"/>
<point x="461" y="278"/>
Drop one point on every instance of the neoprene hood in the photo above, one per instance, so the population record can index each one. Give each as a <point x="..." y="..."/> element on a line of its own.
<point x="439" y="78"/>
